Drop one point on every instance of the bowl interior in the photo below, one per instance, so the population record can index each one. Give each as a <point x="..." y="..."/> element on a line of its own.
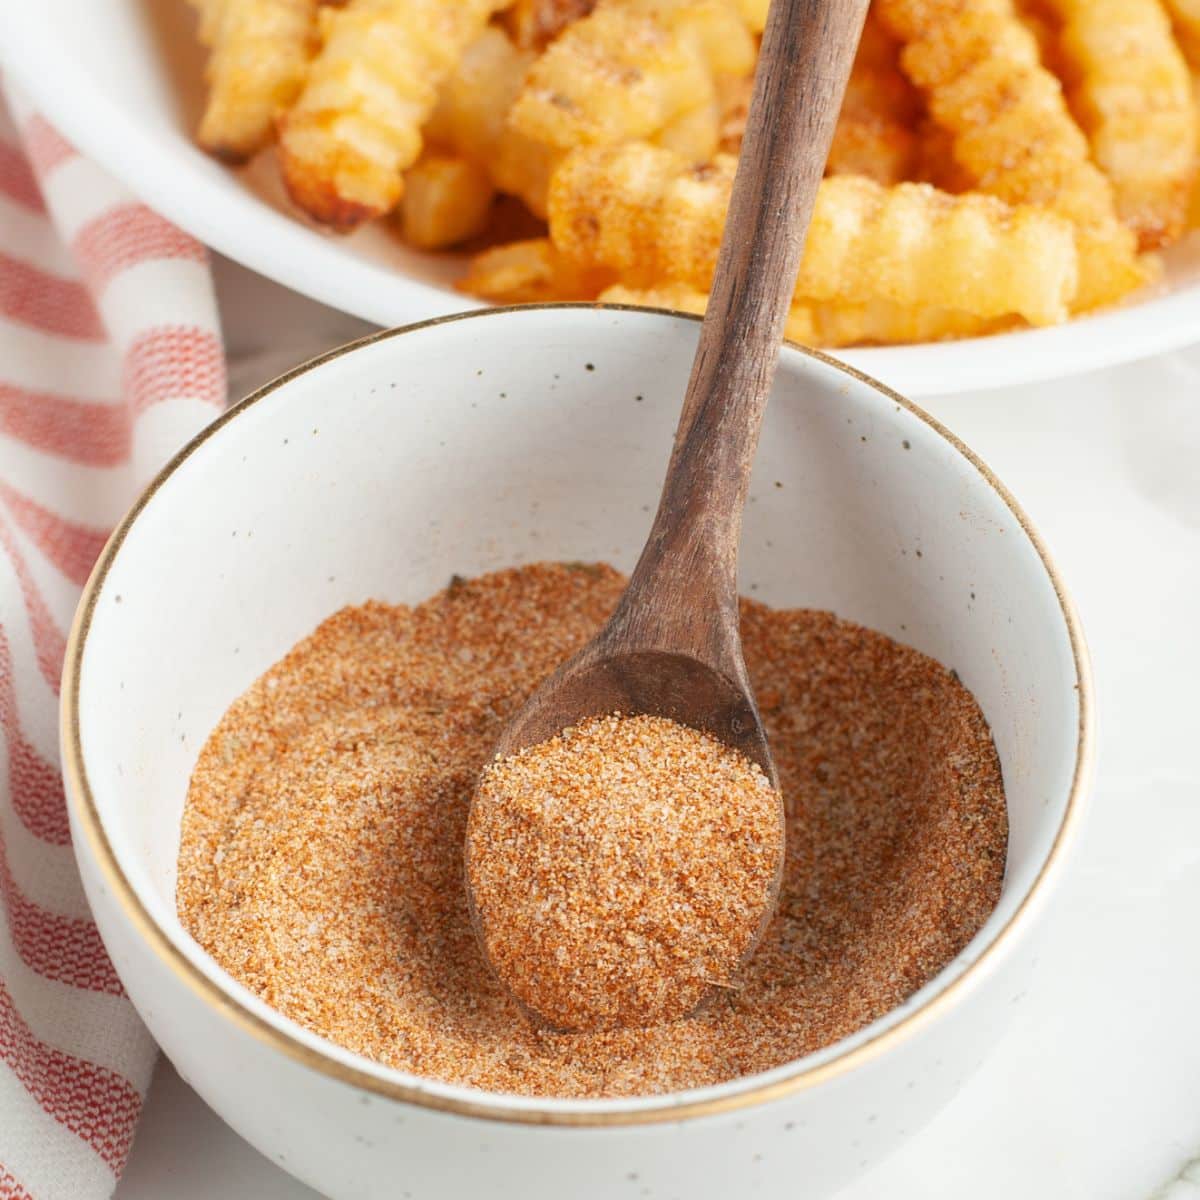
<point x="518" y="435"/>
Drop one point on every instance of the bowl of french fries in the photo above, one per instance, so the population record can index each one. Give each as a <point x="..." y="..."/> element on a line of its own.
<point x="1009" y="195"/>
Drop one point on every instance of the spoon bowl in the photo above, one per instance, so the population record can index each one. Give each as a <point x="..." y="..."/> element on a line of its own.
<point x="661" y="682"/>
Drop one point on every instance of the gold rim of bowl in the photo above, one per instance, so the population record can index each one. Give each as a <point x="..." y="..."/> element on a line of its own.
<point x="491" y="1106"/>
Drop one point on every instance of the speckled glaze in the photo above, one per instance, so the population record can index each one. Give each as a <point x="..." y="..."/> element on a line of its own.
<point x="512" y="436"/>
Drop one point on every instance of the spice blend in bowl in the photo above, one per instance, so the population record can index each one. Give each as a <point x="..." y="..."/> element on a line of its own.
<point x="621" y="870"/>
<point x="321" y="856"/>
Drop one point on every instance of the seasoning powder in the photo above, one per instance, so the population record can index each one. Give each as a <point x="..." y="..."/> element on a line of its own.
<point x="321" y="860"/>
<point x="622" y="869"/>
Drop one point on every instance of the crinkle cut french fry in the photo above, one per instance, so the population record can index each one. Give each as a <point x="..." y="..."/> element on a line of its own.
<point x="357" y="123"/>
<point x="1185" y="16"/>
<point x="630" y="69"/>
<point x="1036" y="16"/>
<point x="259" y="53"/>
<point x="831" y="324"/>
<point x="913" y="245"/>
<point x="471" y="118"/>
<point x="648" y="215"/>
<point x="695" y="134"/>
<point x="979" y="69"/>
<point x="874" y="134"/>
<point x="446" y="200"/>
<point x="884" y="323"/>
<point x="1133" y="95"/>
<point x="529" y="272"/>
<point x="754" y="13"/>
<point x="471" y="115"/>
<point x="682" y="298"/>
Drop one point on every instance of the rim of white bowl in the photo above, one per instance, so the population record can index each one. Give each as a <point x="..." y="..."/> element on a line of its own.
<point x="327" y="1059"/>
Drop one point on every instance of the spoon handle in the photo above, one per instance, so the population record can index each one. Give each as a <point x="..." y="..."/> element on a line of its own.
<point x="807" y="51"/>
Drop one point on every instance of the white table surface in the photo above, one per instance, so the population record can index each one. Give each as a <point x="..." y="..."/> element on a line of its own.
<point x="1094" y="1094"/>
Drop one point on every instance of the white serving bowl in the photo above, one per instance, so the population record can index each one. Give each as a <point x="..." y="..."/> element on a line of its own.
<point x="122" y="79"/>
<point x="466" y="444"/>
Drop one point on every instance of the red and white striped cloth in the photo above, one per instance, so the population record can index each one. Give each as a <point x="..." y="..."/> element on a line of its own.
<point x="110" y="358"/>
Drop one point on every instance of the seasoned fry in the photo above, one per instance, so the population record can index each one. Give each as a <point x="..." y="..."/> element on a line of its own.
<point x="1185" y="16"/>
<point x="471" y="115"/>
<point x="260" y="51"/>
<point x="1133" y="96"/>
<point x="641" y="210"/>
<point x="357" y="124"/>
<point x="719" y="25"/>
<point x="884" y="323"/>
<point x="629" y="70"/>
<point x="877" y="322"/>
<point x="471" y="118"/>
<point x="979" y="69"/>
<point x="874" y="135"/>
<point x="650" y="216"/>
<point x="695" y="134"/>
<point x="1039" y="19"/>
<point x="682" y="298"/>
<point x="533" y="24"/>
<point x="754" y="13"/>
<point x="446" y="201"/>
<point x="531" y="272"/>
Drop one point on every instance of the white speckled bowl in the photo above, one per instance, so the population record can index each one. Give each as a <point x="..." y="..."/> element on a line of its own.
<point x="474" y="442"/>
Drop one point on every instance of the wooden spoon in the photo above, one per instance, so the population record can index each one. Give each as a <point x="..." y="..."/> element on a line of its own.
<point x="673" y="646"/>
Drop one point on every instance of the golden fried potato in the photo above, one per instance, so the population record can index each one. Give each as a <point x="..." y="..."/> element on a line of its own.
<point x="531" y="272"/>
<point x="979" y="69"/>
<point x="681" y="297"/>
<point x="831" y="324"/>
<point x="471" y="114"/>
<point x="471" y="118"/>
<point x="695" y="134"/>
<point x="650" y="216"/>
<point x="874" y="134"/>
<point x="630" y="69"/>
<point x="533" y="24"/>
<point x="356" y="125"/>
<point x="1039" y="19"/>
<point x="446" y="200"/>
<point x="260" y="51"/>
<point x="719" y="25"/>
<point x="885" y="323"/>
<point x="1185" y="16"/>
<point x="754" y="13"/>
<point x="1133" y="96"/>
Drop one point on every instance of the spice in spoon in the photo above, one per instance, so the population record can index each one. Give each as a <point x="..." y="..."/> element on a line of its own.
<point x="621" y="870"/>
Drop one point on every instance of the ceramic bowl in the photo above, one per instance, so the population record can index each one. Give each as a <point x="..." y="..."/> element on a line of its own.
<point x="501" y="437"/>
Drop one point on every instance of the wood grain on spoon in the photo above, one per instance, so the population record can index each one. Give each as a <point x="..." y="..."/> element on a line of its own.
<point x="672" y="648"/>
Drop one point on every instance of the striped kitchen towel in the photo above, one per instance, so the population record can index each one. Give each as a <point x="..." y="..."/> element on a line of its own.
<point x="110" y="358"/>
